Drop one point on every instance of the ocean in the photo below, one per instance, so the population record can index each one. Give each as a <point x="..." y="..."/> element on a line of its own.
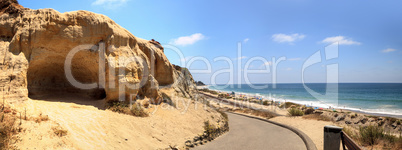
<point x="376" y="98"/>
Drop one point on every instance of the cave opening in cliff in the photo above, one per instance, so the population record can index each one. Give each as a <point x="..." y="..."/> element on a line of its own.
<point x="47" y="79"/>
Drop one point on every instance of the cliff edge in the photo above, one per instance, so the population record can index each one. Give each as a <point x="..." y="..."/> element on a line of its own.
<point x="37" y="45"/>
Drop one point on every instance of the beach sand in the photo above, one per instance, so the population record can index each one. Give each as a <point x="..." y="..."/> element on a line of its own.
<point x="91" y="128"/>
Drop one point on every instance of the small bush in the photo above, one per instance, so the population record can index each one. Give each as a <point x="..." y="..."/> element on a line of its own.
<point x="121" y="107"/>
<point x="295" y="112"/>
<point x="41" y="118"/>
<point x="138" y="111"/>
<point x="349" y="131"/>
<point x="265" y="103"/>
<point x="370" y="134"/>
<point x="59" y="131"/>
<point x="317" y="117"/>
<point x="7" y="129"/>
<point x="208" y="128"/>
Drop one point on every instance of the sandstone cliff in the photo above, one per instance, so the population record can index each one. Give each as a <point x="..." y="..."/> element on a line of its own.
<point x="35" y="45"/>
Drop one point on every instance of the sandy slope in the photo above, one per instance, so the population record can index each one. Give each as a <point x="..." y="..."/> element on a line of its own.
<point x="91" y="128"/>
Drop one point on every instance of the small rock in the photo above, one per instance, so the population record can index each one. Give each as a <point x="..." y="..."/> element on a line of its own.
<point x="189" y="144"/>
<point x="348" y="122"/>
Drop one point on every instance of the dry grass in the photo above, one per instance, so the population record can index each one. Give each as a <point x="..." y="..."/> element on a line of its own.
<point x="317" y="117"/>
<point x="374" y="137"/>
<point x="138" y="111"/>
<point x="289" y="104"/>
<point x="260" y="113"/>
<point x="370" y="134"/>
<point x="59" y="131"/>
<point x="121" y="107"/>
<point x="41" y="118"/>
<point x="8" y="127"/>
<point x="295" y="112"/>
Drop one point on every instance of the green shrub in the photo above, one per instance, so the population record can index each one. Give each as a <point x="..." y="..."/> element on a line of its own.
<point x="295" y="112"/>
<point x="370" y="134"/>
<point x="265" y="103"/>
<point x="208" y="128"/>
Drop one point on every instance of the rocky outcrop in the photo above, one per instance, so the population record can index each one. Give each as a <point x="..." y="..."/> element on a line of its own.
<point x="184" y="84"/>
<point x="36" y="46"/>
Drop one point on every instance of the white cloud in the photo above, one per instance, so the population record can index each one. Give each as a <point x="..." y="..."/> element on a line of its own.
<point x="341" y="39"/>
<point x="284" y="38"/>
<point x="294" y="59"/>
<point x="109" y="4"/>
<point x="246" y="40"/>
<point x="188" y="40"/>
<point x="388" y="50"/>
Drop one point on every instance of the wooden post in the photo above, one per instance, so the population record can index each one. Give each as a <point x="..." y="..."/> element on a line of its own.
<point x="332" y="137"/>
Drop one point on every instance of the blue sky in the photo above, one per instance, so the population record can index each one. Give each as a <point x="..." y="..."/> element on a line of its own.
<point x="369" y="35"/>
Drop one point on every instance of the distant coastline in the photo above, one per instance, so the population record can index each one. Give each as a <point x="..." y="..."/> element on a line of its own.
<point x="362" y="98"/>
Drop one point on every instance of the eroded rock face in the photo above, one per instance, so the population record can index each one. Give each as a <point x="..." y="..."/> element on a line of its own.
<point x="35" y="44"/>
<point x="184" y="84"/>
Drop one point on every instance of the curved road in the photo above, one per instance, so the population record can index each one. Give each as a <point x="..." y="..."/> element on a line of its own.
<point x="248" y="133"/>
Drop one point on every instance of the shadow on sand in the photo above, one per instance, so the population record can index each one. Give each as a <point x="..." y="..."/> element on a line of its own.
<point x="71" y="98"/>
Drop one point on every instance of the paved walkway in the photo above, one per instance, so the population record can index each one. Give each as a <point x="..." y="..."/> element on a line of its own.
<point x="248" y="133"/>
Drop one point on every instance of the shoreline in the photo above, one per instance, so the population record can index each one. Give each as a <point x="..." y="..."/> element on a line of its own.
<point x="355" y="110"/>
<point x="312" y="123"/>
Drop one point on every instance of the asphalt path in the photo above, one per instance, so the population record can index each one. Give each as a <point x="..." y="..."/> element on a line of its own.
<point x="249" y="133"/>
